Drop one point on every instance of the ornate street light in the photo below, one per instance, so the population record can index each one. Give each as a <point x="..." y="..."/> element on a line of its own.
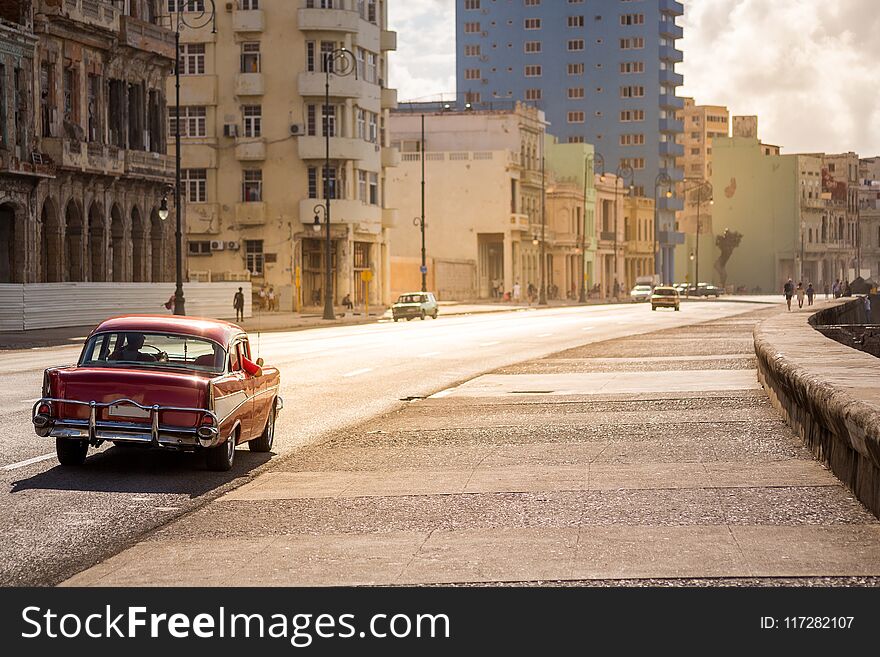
<point x="701" y="188"/>
<point x="192" y="14"/>
<point x="624" y="172"/>
<point x="662" y="180"/>
<point x="590" y="162"/>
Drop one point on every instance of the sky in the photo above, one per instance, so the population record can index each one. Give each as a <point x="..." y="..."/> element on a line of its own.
<point x="810" y="69"/>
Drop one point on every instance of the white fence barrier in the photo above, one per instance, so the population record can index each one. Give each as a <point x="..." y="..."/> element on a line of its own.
<point x="50" y="305"/>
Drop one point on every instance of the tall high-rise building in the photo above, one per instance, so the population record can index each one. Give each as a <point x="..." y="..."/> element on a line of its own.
<point x="254" y="121"/>
<point x="604" y="73"/>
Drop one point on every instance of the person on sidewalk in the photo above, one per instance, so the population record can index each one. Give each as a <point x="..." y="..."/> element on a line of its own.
<point x="347" y="303"/>
<point x="868" y="309"/>
<point x="835" y="289"/>
<point x="270" y="296"/>
<point x="788" y="290"/>
<point x="800" y="294"/>
<point x="827" y="290"/>
<point x="531" y="291"/>
<point x="517" y="292"/>
<point x="810" y="294"/>
<point x="616" y="290"/>
<point x="238" y="304"/>
<point x="262" y="297"/>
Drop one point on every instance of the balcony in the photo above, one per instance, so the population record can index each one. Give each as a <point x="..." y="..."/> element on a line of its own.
<point x="147" y="37"/>
<point x="250" y="214"/>
<point x="341" y="148"/>
<point x="149" y="165"/>
<point x="670" y="238"/>
<point x="671" y="7"/>
<point x="670" y="78"/>
<point x="390" y="157"/>
<point x="97" y="13"/>
<point x="673" y="126"/>
<point x="311" y="83"/>
<point x="38" y="168"/>
<point x="670" y="54"/>
<point x="389" y="98"/>
<point x="387" y="40"/>
<point x="344" y="211"/>
<point x="249" y="84"/>
<point x="249" y="149"/>
<point x="328" y="20"/>
<point x="389" y="217"/>
<point x="670" y="102"/>
<point x="671" y="149"/>
<point x="670" y="30"/>
<point x="519" y="222"/>
<point x="250" y="20"/>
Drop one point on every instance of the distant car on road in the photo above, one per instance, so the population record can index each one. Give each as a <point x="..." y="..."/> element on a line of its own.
<point x="415" y="304"/>
<point x="665" y="297"/>
<point x="173" y="383"/>
<point x="706" y="290"/>
<point x="641" y="293"/>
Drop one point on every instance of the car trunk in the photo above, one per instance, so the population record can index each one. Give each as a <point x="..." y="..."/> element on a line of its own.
<point x="146" y="387"/>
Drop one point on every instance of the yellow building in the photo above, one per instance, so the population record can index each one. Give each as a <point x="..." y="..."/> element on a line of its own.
<point x="611" y="196"/>
<point x="253" y="126"/>
<point x="638" y="234"/>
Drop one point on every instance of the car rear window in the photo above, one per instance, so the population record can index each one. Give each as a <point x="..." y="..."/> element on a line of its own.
<point x="411" y="298"/>
<point x="665" y="291"/>
<point x="153" y="350"/>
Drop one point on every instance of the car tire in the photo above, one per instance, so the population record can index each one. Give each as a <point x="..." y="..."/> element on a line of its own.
<point x="71" y="452"/>
<point x="422" y="316"/>
<point x="653" y="307"/>
<point x="396" y="318"/>
<point x="267" y="438"/>
<point x="221" y="457"/>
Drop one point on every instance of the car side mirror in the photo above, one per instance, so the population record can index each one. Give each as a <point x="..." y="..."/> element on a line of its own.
<point x="260" y="362"/>
<point x="250" y="367"/>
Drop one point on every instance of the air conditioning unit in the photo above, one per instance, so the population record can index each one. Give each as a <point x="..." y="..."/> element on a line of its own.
<point x="232" y="245"/>
<point x="217" y="245"/>
<point x="228" y="7"/>
<point x="297" y="129"/>
<point x="230" y="130"/>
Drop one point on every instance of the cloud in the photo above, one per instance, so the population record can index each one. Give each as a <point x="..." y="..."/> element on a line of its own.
<point x="810" y="69"/>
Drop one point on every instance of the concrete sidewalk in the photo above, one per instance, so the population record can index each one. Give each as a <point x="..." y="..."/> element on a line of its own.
<point x="652" y="459"/>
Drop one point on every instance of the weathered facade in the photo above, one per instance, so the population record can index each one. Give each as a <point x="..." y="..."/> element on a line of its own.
<point x="92" y="141"/>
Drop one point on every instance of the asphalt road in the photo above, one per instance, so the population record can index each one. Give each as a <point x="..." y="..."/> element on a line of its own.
<point x="54" y="522"/>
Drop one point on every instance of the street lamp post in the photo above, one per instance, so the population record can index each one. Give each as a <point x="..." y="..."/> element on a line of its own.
<point x="589" y="168"/>
<point x="340" y="62"/>
<point x="542" y="294"/>
<point x="624" y="172"/>
<point x="195" y="15"/>
<point x="424" y="268"/>
<point x="703" y="188"/>
<point x="803" y="230"/>
<point x="662" y="180"/>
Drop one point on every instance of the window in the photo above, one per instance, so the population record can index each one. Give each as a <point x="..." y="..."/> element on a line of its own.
<point x="252" y="186"/>
<point x="533" y="71"/>
<point x="532" y="46"/>
<point x="636" y="91"/>
<point x="254" y="258"/>
<point x="194" y="183"/>
<point x="472" y="74"/>
<point x="322" y="4"/>
<point x="576" y="139"/>
<point x="472" y="50"/>
<point x="362" y="186"/>
<point x="636" y="43"/>
<point x="533" y="94"/>
<point x="192" y="121"/>
<point x="575" y="45"/>
<point x="532" y="23"/>
<point x="253" y="120"/>
<point x="374" y="188"/>
<point x="192" y="59"/>
<point x="198" y="248"/>
<point x="632" y="115"/>
<point x="71" y="95"/>
<point x="249" y="5"/>
<point x="471" y="4"/>
<point x="575" y="92"/>
<point x="313" y="182"/>
<point x="575" y="69"/>
<point x="310" y="56"/>
<point x="532" y="3"/>
<point x="328" y="120"/>
<point x="632" y="67"/>
<point x="575" y="21"/>
<point x="250" y="57"/>
<point x="632" y="139"/>
<point x="575" y="117"/>
<point x="472" y="27"/>
<point x="632" y="19"/>
<point x="181" y="5"/>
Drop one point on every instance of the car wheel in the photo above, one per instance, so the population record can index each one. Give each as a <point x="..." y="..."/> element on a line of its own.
<point x="396" y="318"/>
<point x="422" y="315"/>
<point x="221" y="457"/>
<point x="71" y="452"/>
<point x="267" y="438"/>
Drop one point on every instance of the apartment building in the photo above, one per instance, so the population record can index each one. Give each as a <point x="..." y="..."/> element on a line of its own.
<point x="253" y="124"/>
<point x="869" y="217"/>
<point x="84" y="168"/>
<point x="603" y="71"/>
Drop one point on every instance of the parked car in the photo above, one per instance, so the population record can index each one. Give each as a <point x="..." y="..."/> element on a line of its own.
<point x="415" y="304"/>
<point x="706" y="290"/>
<point x="665" y="297"/>
<point x="641" y="293"/>
<point x="167" y="382"/>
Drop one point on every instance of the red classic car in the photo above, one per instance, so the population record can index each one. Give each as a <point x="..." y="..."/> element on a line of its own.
<point x="179" y="383"/>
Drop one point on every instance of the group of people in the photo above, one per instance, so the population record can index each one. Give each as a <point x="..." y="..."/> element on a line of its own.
<point x="800" y="292"/>
<point x="268" y="300"/>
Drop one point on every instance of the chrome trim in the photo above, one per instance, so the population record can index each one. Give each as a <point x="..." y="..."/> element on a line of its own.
<point x="279" y="403"/>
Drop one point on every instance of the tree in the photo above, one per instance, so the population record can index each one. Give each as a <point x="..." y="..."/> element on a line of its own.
<point x="727" y="242"/>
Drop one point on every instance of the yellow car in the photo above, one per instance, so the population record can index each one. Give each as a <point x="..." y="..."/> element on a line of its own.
<point x="665" y="297"/>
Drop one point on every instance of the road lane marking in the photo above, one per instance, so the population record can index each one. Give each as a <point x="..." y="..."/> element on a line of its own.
<point x="23" y="464"/>
<point x="358" y="372"/>
<point x="588" y="328"/>
<point x="442" y="393"/>
<point x="431" y="353"/>
<point x="546" y="335"/>
<point x="489" y="344"/>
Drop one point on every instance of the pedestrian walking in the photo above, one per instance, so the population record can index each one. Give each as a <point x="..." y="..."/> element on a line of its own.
<point x="827" y="290"/>
<point x="845" y="289"/>
<point x="531" y="292"/>
<point x="800" y="294"/>
<point x="517" y="292"/>
<point x="835" y="289"/>
<point x="788" y="290"/>
<point x="262" y="294"/>
<point x="868" y="309"/>
<point x="810" y="294"/>
<point x="270" y="297"/>
<point x="238" y="304"/>
<point x="616" y="290"/>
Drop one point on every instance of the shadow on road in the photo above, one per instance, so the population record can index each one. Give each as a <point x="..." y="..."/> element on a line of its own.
<point x="138" y="470"/>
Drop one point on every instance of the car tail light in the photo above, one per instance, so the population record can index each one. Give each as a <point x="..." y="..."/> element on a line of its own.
<point x="44" y="409"/>
<point x="207" y="421"/>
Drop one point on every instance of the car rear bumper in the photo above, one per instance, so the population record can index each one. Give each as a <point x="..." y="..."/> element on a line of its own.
<point x="663" y="303"/>
<point x="155" y="434"/>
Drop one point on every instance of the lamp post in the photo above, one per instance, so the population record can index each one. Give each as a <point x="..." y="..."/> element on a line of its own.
<point x="424" y="268"/>
<point x="662" y="180"/>
<point x="340" y="62"/>
<point x="623" y="172"/>
<point x="542" y="294"/>
<point x="701" y="188"/>
<point x="193" y="14"/>
<point x="589" y="167"/>
<point x="803" y="230"/>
